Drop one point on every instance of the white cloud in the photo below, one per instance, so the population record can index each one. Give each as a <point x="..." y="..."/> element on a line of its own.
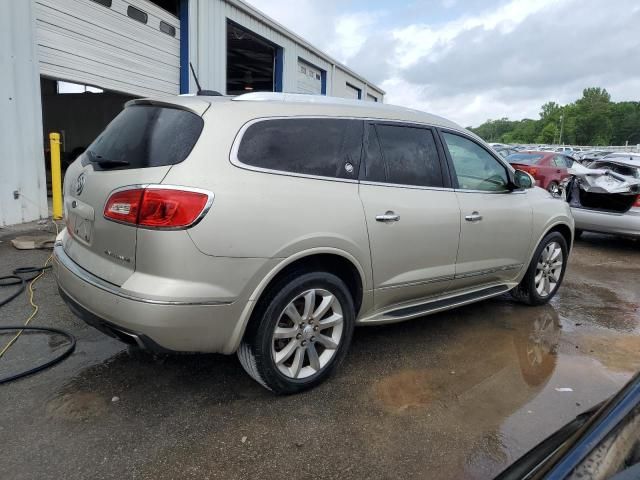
<point x="498" y="58"/>
<point x="418" y="41"/>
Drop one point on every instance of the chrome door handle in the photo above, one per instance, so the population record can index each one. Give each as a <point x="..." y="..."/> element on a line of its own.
<point x="474" y="217"/>
<point x="388" y="217"/>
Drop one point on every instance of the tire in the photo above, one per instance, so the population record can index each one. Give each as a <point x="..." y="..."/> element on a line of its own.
<point x="287" y="365"/>
<point x="554" y="188"/>
<point x="528" y="290"/>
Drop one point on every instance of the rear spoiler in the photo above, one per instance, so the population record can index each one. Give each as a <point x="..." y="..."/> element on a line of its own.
<point x="195" y="105"/>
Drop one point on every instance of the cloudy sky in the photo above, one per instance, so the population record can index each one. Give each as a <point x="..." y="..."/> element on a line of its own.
<point x="470" y="60"/>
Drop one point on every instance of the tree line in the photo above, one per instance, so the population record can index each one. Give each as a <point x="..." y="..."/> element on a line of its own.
<point x="591" y="120"/>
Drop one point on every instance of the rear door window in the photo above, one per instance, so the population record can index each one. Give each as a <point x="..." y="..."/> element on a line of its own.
<point x="410" y="155"/>
<point x="327" y="147"/>
<point x="144" y="136"/>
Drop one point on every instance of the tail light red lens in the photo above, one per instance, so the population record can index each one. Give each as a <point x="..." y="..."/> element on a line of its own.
<point x="156" y="207"/>
<point x="124" y="206"/>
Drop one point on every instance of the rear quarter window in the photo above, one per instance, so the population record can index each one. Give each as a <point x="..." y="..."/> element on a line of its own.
<point x="144" y="136"/>
<point x="308" y="146"/>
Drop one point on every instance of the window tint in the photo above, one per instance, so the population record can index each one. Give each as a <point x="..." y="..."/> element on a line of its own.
<point x="374" y="169"/>
<point x="475" y="168"/>
<point x="410" y="155"/>
<point x="311" y="146"/>
<point x="146" y="136"/>
<point x="137" y="14"/>
<point x="168" y="29"/>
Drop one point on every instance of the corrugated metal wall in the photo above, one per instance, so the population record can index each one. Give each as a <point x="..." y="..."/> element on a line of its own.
<point x="86" y="42"/>
<point x="207" y="48"/>
<point x="21" y="160"/>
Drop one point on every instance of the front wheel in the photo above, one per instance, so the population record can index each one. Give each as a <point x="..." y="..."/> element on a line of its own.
<point x="299" y="333"/>
<point x="545" y="273"/>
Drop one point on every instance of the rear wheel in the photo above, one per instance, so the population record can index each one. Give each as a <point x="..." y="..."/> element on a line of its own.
<point x="545" y="273"/>
<point x="300" y="332"/>
<point x="554" y="189"/>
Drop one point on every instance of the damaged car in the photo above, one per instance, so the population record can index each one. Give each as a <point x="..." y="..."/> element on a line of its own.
<point x="605" y="196"/>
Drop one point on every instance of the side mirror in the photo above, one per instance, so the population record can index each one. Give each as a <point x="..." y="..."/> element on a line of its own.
<point x="523" y="179"/>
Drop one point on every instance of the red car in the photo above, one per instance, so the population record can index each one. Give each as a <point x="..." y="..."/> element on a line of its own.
<point x="547" y="168"/>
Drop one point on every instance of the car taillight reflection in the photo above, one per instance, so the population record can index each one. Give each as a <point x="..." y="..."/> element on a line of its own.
<point x="157" y="207"/>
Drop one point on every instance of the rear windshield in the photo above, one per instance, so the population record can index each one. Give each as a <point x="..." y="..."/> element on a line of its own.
<point x="524" y="158"/>
<point x="144" y="136"/>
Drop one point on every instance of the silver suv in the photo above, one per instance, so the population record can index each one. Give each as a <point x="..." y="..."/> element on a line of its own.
<point x="271" y="224"/>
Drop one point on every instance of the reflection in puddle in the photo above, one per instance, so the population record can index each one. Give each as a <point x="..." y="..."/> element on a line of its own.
<point x="523" y="356"/>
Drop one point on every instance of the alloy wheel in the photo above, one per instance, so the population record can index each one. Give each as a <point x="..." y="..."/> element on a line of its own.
<point x="549" y="269"/>
<point x="307" y="334"/>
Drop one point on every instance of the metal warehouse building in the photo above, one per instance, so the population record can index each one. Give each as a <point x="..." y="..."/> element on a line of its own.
<point x="69" y="65"/>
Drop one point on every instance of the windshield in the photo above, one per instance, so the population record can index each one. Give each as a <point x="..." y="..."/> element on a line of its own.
<point x="146" y="136"/>
<point x="525" y="158"/>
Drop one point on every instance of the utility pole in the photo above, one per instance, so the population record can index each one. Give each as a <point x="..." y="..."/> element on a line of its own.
<point x="561" y="128"/>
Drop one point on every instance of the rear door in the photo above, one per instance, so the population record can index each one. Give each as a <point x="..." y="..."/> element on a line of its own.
<point x="496" y="223"/>
<point x="411" y="212"/>
<point x="138" y="147"/>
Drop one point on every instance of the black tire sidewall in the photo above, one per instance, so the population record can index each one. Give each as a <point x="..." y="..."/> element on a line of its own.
<point x="534" y="297"/>
<point x="270" y="315"/>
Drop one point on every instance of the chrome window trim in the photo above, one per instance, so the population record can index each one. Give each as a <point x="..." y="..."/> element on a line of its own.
<point x="157" y="186"/>
<point x="402" y="185"/>
<point x="61" y="257"/>
<point x="235" y="147"/>
<point x="492" y="192"/>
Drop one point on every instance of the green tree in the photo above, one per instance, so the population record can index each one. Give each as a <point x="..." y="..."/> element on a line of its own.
<point x="593" y="119"/>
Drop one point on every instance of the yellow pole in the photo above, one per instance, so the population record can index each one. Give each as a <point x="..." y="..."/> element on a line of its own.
<point x="56" y="175"/>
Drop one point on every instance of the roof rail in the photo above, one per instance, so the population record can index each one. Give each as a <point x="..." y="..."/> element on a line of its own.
<point x="316" y="99"/>
<point x="297" y="98"/>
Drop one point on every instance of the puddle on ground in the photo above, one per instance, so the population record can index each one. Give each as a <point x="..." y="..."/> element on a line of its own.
<point x="600" y="306"/>
<point x="76" y="406"/>
<point x="618" y="354"/>
<point x="521" y="353"/>
<point x="404" y="390"/>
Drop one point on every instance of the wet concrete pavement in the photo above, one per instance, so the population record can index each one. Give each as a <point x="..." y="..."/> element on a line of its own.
<point x="456" y="395"/>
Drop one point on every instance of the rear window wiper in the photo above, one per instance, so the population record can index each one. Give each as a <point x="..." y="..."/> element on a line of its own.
<point x="106" y="162"/>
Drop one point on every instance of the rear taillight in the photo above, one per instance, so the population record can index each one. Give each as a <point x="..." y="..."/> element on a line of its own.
<point x="157" y="207"/>
<point x="123" y="206"/>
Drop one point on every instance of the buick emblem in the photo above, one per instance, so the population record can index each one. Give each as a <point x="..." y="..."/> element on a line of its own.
<point x="80" y="183"/>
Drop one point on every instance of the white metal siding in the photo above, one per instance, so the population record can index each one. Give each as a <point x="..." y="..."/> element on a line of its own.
<point x="21" y="162"/>
<point x="309" y="79"/>
<point x="85" y="42"/>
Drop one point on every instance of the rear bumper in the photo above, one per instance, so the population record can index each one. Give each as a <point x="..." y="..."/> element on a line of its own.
<point x="156" y="325"/>
<point x="626" y="224"/>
